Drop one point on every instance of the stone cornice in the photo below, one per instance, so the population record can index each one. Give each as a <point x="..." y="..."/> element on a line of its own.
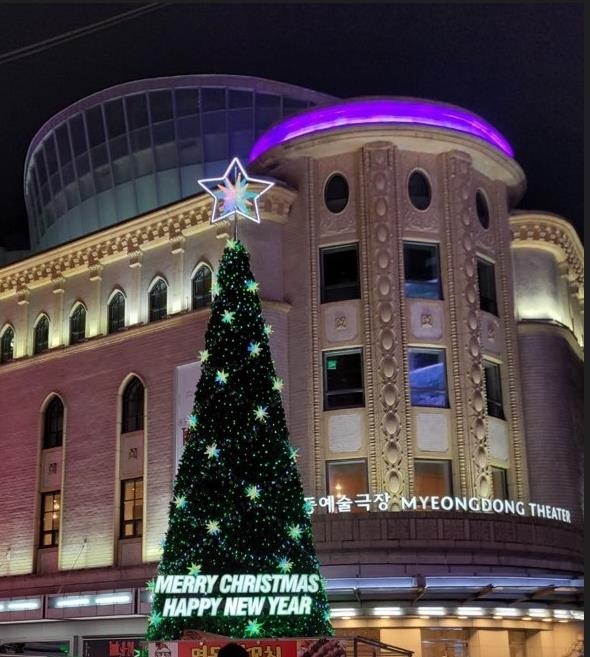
<point x="551" y="232"/>
<point x="163" y="226"/>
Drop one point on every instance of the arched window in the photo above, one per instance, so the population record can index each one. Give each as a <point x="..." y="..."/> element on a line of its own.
<point x="78" y="324"/>
<point x="116" y="312"/>
<point x="158" y="300"/>
<point x="7" y="345"/>
<point x="41" y="335"/>
<point x="53" y="423"/>
<point x="202" y="287"/>
<point x="132" y="410"/>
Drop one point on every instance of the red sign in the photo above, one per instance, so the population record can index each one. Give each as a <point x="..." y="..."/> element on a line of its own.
<point x="255" y="647"/>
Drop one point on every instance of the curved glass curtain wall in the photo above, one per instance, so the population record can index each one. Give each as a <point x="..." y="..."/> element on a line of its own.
<point x="125" y="154"/>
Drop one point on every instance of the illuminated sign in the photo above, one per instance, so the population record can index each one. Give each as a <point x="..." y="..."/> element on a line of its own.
<point x="380" y="502"/>
<point x="237" y="595"/>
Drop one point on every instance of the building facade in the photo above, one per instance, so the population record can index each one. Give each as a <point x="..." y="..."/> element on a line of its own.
<point x="431" y="343"/>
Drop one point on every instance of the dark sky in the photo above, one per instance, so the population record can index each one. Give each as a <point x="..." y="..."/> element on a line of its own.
<point x="519" y="66"/>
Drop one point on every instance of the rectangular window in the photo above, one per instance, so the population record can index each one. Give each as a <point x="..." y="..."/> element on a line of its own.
<point x="447" y="642"/>
<point x="487" y="286"/>
<point x="343" y="379"/>
<point x="493" y="389"/>
<point x="340" y="273"/>
<point x="422" y="271"/>
<point x="347" y="479"/>
<point x="428" y="377"/>
<point x="50" y="509"/>
<point x="132" y="508"/>
<point x="432" y="478"/>
<point x="500" y="483"/>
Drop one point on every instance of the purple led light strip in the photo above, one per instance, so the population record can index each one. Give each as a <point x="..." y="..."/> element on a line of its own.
<point x="380" y="111"/>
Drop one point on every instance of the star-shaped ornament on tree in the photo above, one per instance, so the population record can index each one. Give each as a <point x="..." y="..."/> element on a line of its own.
<point x="234" y="194"/>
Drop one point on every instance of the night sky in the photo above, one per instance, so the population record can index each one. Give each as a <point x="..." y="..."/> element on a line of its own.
<point x="519" y="66"/>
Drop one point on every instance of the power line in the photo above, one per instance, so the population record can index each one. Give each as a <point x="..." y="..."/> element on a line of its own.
<point x="40" y="46"/>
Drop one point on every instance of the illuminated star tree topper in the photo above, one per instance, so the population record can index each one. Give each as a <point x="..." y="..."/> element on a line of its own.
<point x="234" y="194"/>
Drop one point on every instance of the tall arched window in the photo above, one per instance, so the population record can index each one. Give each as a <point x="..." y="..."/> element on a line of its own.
<point x="53" y="423"/>
<point x="78" y="324"/>
<point x="158" y="300"/>
<point x="202" y="287"/>
<point x="7" y="345"/>
<point x="116" y="312"/>
<point x="41" y="335"/>
<point x="132" y="406"/>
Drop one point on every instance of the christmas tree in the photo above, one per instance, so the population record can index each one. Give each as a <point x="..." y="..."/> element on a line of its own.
<point x="238" y="507"/>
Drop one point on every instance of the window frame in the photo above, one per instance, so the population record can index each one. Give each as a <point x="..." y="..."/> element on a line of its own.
<point x="132" y="410"/>
<point x="500" y="475"/>
<point x="339" y="291"/>
<point x="53" y="532"/>
<point x="7" y="344"/>
<point x="493" y="384"/>
<point x="78" y="323"/>
<point x="53" y="423"/>
<point x="158" y="292"/>
<point x="448" y="475"/>
<point x="415" y="199"/>
<point x="329" y="463"/>
<point x="488" y="298"/>
<point x="118" y="302"/>
<point x="136" y="523"/>
<point x="424" y="282"/>
<point x="328" y="394"/>
<point x="41" y="342"/>
<point x="431" y="390"/>
<point x="201" y="299"/>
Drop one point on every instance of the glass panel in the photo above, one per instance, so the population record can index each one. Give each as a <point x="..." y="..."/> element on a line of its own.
<point x="187" y="101"/>
<point x="419" y="190"/>
<point x="238" y="98"/>
<point x="422" y="271"/>
<point x="119" y="147"/>
<point x="160" y="105"/>
<point x="493" y="390"/>
<point x="137" y="115"/>
<point x="340" y="273"/>
<point x="78" y="134"/>
<point x="343" y="379"/>
<point x="188" y="128"/>
<point x="500" y="483"/>
<point x="428" y="379"/>
<point x="95" y="126"/>
<point x="202" y="288"/>
<point x="432" y="478"/>
<point x="63" y="144"/>
<point x="212" y="98"/>
<point x="347" y="479"/>
<point x="487" y="287"/>
<point x="50" y="154"/>
<point x="115" y="117"/>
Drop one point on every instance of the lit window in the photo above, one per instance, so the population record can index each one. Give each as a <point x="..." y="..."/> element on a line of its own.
<point x="116" y="313"/>
<point x="419" y="190"/>
<point x="340" y="273"/>
<point x="132" y="406"/>
<point x="432" y="478"/>
<point x="493" y="389"/>
<point x="131" y="508"/>
<point x="7" y="345"/>
<point x="336" y="193"/>
<point x="53" y="424"/>
<point x="41" y="335"/>
<point x="158" y="301"/>
<point x="347" y="479"/>
<point x="78" y="324"/>
<point x="343" y="379"/>
<point x="422" y="271"/>
<point x="50" y="510"/>
<point x="428" y="378"/>
<point x="500" y="483"/>
<point x="202" y="287"/>
<point x="487" y="286"/>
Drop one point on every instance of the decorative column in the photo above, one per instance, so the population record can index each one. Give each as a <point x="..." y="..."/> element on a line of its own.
<point x="466" y="375"/>
<point x="57" y="323"/>
<point x="135" y="258"/>
<point x="381" y="234"/>
<point x="178" y="295"/>
<point x="95" y="314"/>
<point x="23" y="341"/>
